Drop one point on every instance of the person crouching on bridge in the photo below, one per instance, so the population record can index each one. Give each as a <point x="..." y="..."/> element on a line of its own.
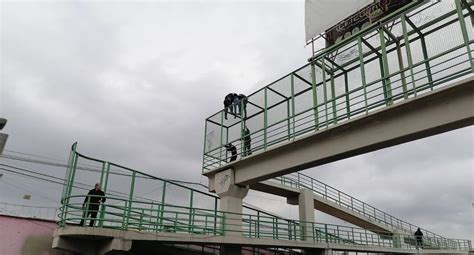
<point x="91" y="204"/>
<point x="232" y="150"/>
<point x="229" y="104"/>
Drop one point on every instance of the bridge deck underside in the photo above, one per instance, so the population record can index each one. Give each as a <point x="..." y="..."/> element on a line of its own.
<point x="84" y="233"/>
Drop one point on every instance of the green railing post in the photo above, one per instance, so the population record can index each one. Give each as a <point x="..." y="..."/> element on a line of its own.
<point x="292" y="79"/>
<point x="140" y="222"/>
<point x="258" y="224"/>
<point x="215" y="215"/>
<point x="190" y="211"/>
<point x="401" y="67"/>
<point x="362" y="72"/>
<point x="315" y="96"/>
<point x="222" y="134"/>
<point x="408" y="51"/>
<point x="86" y="212"/>
<point x="103" y="183"/>
<point x="427" y="63"/>
<point x="333" y="94"/>
<point x="70" y="182"/>
<point x="265" y="118"/>
<point x="465" y="35"/>
<point x="242" y="124"/>
<point x="132" y="187"/>
<point x="346" y="87"/>
<point x="288" y="118"/>
<point x="323" y="69"/>
<point x="385" y="77"/>
<point x="205" y="143"/>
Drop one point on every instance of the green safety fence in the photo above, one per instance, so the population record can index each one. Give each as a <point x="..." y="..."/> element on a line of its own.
<point x="129" y="184"/>
<point x="141" y="202"/>
<point x="124" y="214"/>
<point x="414" y="51"/>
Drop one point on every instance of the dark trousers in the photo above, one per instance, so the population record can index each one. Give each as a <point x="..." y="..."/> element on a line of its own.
<point x="419" y="242"/>
<point x="93" y="214"/>
<point x="247" y="151"/>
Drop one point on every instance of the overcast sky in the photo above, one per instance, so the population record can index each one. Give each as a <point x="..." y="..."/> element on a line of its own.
<point x="132" y="82"/>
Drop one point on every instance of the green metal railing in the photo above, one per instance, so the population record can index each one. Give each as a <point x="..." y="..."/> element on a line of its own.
<point x="132" y="204"/>
<point x="403" y="56"/>
<point x="299" y="181"/>
<point x="129" y="184"/>
<point x="124" y="214"/>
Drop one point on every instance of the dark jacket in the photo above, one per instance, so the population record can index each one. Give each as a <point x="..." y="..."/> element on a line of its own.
<point x="247" y="139"/>
<point x="94" y="197"/>
<point x="418" y="234"/>
<point x="233" y="151"/>
<point x="229" y="99"/>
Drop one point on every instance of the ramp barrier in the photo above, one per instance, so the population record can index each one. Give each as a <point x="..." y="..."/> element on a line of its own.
<point x="299" y="181"/>
<point x="133" y="204"/>
<point x="124" y="214"/>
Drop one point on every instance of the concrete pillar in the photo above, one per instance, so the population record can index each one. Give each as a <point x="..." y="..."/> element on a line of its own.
<point x="231" y="201"/>
<point x="305" y="202"/>
<point x="306" y="212"/>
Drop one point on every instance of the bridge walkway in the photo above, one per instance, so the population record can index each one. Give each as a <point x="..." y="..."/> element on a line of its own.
<point x="389" y="84"/>
<point x="130" y="221"/>
<point x="338" y="204"/>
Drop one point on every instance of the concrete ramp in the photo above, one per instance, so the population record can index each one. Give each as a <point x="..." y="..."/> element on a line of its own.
<point x="339" y="204"/>
<point x="324" y="205"/>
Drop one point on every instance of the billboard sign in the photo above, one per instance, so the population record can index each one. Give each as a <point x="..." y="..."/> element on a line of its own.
<point x="361" y="19"/>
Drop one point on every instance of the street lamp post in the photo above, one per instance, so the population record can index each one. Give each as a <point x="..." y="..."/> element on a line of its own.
<point x="3" y="137"/>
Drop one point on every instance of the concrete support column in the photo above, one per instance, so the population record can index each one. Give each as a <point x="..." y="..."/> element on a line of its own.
<point x="231" y="201"/>
<point x="306" y="212"/>
<point x="305" y="202"/>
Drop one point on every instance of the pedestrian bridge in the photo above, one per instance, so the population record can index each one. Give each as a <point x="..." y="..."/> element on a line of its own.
<point x="390" y="84"/>
<point x="123" y="222"/>
<point x="143" y="210"/>
<point x="399" y="80"/>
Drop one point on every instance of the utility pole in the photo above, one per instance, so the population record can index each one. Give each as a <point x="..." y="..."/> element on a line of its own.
<point x="3" y="137"/>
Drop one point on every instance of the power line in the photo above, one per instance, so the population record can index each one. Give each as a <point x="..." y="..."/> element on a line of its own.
<point x="92" y="169"/>
<point x="29" y="191"/>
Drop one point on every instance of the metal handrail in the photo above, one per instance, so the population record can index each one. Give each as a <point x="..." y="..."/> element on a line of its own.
<point x="127" y="214"/>
<point x="299" y="180"/>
